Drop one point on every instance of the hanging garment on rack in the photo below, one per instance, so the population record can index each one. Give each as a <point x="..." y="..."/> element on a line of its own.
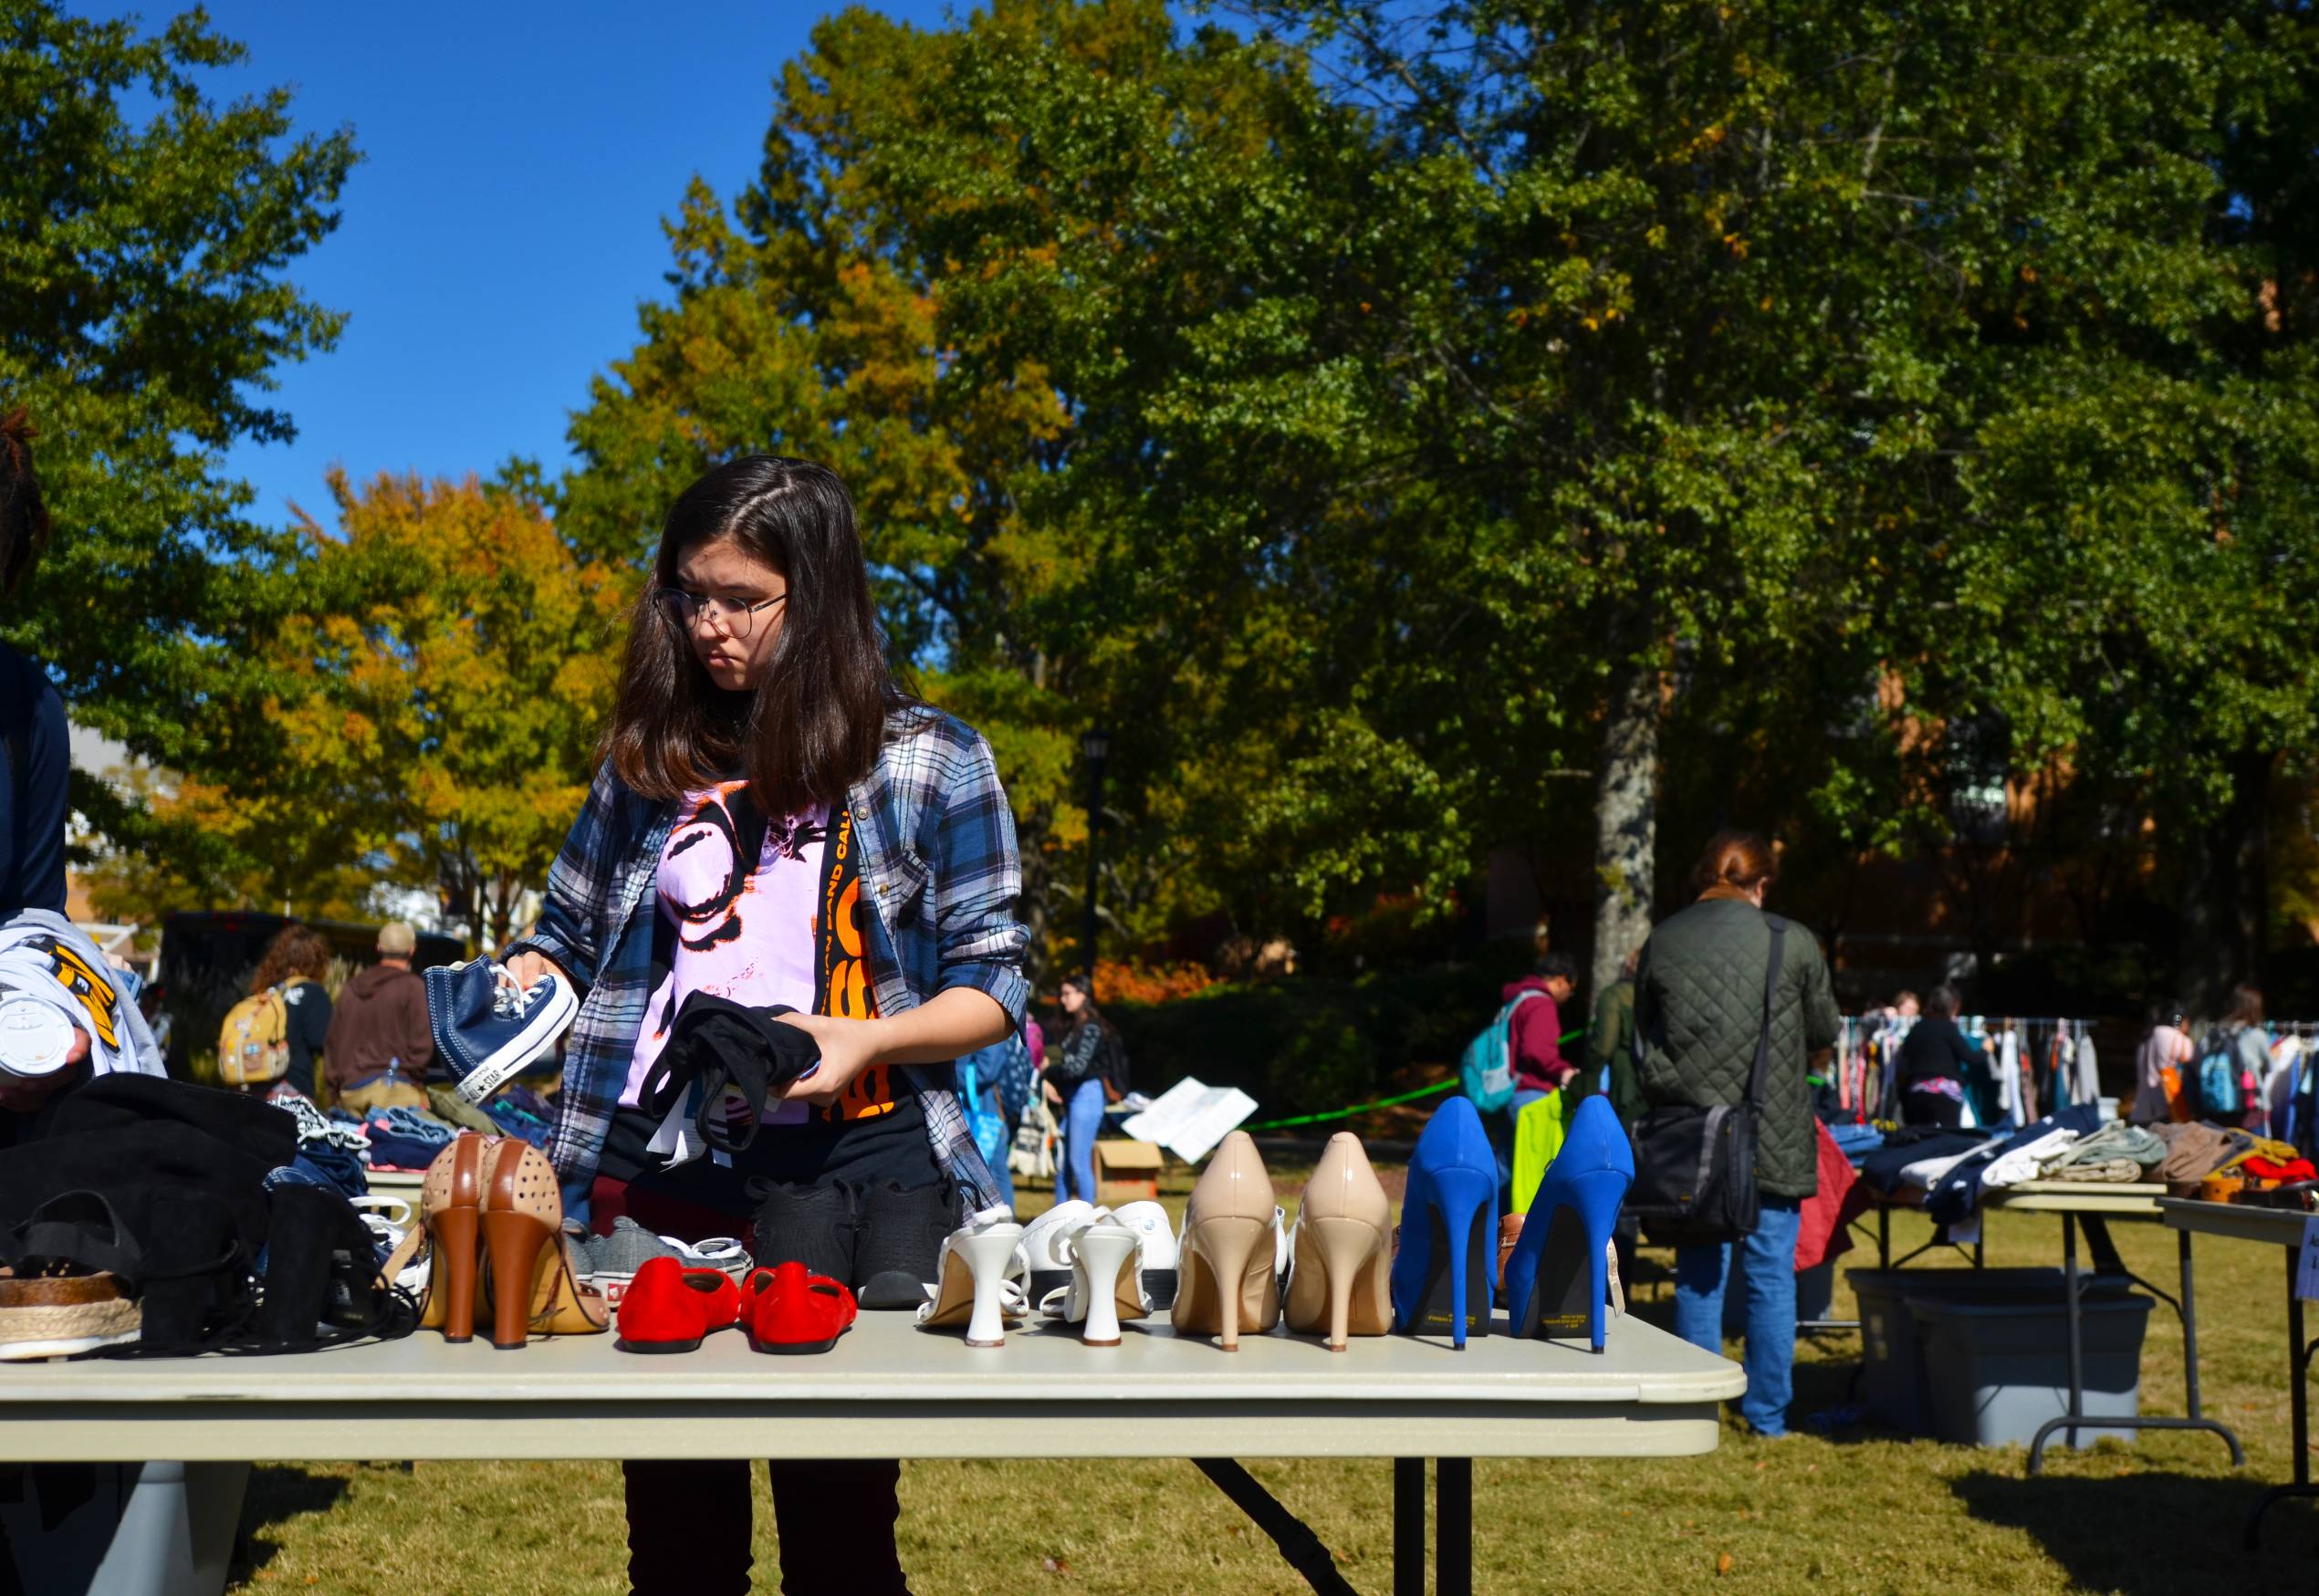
<point x="2009" y="1078"/>
<point x="2086" y="1076"/>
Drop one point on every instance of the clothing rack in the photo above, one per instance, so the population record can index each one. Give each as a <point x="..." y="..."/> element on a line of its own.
<point x="2033" y="1064"/>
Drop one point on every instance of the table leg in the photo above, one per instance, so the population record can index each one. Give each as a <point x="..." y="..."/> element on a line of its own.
<point x="1884" y="1236"/>
<point x="1408" y="1527"/>
<point x="1453" y="1550"/>
<point x="1298" y="1544"/>
<point x="2106" y="1262"/>
<point x="2298" y="1408"/>
<point x="2076" y="1350"/>
<point x="2190" y="1329"/>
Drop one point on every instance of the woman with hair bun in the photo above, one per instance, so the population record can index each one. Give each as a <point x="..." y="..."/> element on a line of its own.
<point x="1698" y="1012"/>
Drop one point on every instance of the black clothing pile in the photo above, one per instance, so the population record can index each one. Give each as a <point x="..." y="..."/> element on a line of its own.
<point x="718" y="1044"/>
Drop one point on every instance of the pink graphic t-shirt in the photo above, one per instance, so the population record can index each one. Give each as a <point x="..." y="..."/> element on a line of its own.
<point x="743" y="920"/>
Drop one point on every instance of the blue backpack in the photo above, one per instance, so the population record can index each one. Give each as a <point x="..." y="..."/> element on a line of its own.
<point x="988" y="1128"/>
<point x="2218" y="1075"/>
<point x="1487" y="1071"/>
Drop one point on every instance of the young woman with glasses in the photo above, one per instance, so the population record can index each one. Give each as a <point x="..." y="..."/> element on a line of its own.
<point x="760" y="750"/>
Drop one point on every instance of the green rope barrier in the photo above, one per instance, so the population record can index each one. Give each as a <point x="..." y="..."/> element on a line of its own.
<point x="1382" y="1103"/>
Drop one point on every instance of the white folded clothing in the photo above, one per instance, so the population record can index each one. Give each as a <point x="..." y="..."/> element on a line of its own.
<point x="48" y="961"/>
<point x="2021" y="1164"/>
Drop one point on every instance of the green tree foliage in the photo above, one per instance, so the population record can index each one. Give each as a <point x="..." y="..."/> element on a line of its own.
<point x="1896" y="369"/>
<point x="145" y="231"/>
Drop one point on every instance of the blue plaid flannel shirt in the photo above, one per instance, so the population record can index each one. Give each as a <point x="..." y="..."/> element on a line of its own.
<point x="938" y="866"/>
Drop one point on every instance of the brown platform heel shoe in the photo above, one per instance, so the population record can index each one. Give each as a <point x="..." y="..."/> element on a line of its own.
<point x="531" y="1286"/>
<point x="449" y="1207"/>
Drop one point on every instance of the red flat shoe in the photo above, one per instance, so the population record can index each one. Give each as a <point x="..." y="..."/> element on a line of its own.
<point x="669" y="1307"/>
<point x="792" y="1310"/>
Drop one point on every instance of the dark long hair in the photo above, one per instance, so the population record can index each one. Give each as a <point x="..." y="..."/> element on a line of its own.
<point x="814" y="721"/>
<point x="1088" y="1013"/>
<point x="296" y="950"/>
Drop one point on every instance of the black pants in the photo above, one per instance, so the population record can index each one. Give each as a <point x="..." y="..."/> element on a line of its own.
<point x="688" y="1527"/>
<point x="1931" y="1108"/>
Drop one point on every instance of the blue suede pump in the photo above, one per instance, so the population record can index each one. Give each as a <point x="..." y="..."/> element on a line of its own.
<point x="1447" y="1224"/>
<point x="1557" y="1276"/>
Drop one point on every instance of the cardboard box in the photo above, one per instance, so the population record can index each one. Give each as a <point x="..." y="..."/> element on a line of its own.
<point x="1127" y="1171"/>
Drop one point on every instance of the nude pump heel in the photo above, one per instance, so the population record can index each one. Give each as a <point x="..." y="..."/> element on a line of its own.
<point x="1337" y="1281"/>
<point x="1228" y="1274"/>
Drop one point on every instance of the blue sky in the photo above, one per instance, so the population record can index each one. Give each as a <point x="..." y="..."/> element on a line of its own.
<point x="505" y="220"/>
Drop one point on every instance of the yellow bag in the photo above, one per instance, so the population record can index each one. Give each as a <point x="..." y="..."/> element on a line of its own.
<point x="1538" y="1137"/>
<point x="254" y="1045"/>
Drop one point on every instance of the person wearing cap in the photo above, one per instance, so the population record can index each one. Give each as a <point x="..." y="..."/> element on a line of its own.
<point x="379" y="1047"/>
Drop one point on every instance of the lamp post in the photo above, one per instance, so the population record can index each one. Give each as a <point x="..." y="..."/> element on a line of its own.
<point x="1095" y="747"/>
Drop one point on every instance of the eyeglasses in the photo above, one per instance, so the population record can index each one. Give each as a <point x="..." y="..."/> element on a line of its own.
<point x="732" y="616"/>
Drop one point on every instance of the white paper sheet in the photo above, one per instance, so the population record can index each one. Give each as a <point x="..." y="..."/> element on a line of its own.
<point x="1191" y="1117"/>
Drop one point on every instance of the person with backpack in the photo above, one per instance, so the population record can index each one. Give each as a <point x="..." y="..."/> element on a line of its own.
<point x="2232" y="1062"/>
<point x="294" y="964"/>
<point x="1534" y="1029"/>
<point x="380" y="1044"/>
<point x="1709" y="1003"/>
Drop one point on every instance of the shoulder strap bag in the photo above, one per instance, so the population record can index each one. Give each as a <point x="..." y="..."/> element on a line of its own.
<point x="1694" y="1168"/>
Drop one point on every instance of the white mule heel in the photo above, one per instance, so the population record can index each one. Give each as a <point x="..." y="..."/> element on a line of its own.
<point x="1103" y="1285"/>
<point x="977" y="1281"/>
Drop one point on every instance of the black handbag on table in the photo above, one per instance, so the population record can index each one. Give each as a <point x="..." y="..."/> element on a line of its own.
<point x="1694" y="1168"/>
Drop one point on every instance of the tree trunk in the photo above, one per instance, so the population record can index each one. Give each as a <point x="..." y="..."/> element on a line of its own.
<point x="1626" y="822"/>
<point x="2226" y="891"/>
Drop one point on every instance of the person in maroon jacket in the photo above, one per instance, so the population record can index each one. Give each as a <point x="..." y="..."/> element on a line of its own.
<point x="1536" y="1028"/>
<point x="379" y="1045"/>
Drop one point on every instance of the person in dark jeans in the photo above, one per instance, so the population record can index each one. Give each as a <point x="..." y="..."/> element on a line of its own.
<point x="1934" y="1057"/>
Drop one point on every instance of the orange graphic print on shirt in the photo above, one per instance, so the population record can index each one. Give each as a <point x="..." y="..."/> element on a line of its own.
<point x="846" y="989"/>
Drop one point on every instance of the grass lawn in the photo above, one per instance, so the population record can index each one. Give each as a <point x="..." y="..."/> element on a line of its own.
<point x="1854" y="1511"/>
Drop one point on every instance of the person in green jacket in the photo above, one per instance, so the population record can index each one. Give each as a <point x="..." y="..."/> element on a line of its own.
<point x="1612" y="1045"/>
<point x="1698" y="1012"/>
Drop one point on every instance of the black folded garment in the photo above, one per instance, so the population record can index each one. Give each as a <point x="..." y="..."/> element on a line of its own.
<point x="723" y="1044"/>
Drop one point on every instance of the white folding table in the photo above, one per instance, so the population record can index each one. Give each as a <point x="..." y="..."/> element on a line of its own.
<point x="2279" y="1228"/>
<point x="891" y="1390"/>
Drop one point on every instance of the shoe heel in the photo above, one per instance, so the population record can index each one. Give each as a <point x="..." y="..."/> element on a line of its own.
<point x="514" y="1240"/>
<point x="1344" y="1246"/>
<point x="987" y="1256"/>
<point x="1462" y="1199"/>
<point x="1227" y="1242"/>
<point x="1600" y="1196"/>
<point x="1102" y="1254"/>
<point x="1539" y="1275"/>
<point x="454" y="1270"/>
